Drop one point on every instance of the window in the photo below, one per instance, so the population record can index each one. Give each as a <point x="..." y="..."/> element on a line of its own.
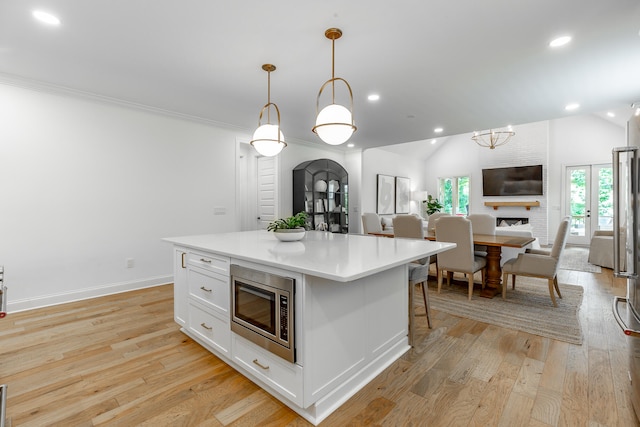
<point x="453" y="193"/>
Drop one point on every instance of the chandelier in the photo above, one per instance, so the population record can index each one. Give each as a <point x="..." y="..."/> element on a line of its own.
<point x="334" y="124"/>
<point x="493" y="138"/>
<point x="268" y="139"/>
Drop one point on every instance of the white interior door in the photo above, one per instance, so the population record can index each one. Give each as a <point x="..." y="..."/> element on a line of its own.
<point x="267" y="190"/>
<point x="588" y="200"/>
<point x="247" y="187"/>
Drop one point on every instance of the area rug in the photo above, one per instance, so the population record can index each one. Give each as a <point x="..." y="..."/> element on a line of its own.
<point x="575" y="258"/>
<point x="528" y="308"/>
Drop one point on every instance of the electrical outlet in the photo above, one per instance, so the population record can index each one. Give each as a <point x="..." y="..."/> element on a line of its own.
<point x="130" y="262"/>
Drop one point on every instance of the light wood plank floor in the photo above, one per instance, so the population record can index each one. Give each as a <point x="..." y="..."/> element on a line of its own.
<point x="121" y="360"/>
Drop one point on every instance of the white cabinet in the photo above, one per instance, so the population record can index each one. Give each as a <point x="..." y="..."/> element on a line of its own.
<point x="180" y="294"/>
<point x="209" y="327"/>
<point x="211" y="289"/>
<point x="345" y="333"/>
<point x="282" y="376"/>
<point x="206" y="291"/>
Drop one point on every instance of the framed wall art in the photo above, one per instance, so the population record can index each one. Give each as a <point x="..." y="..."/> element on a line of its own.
<point x="403" y="195"/>
<point x="386" y="195"/>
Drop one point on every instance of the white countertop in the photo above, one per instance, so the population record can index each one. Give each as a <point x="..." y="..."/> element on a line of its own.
<point x="340" y="257"/>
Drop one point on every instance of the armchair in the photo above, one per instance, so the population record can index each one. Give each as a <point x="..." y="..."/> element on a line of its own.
<point x="601" y="248"/>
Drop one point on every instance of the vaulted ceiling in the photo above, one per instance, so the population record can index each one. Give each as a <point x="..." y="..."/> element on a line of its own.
<point x="461" y="65"/>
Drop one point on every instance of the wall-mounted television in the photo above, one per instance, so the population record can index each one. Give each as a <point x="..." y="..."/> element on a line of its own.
<point x="512" y="181"/>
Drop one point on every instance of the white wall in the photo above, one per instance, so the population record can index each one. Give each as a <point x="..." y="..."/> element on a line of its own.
<point x="461" y="156"/>
<point x="379" y="161"/>
<point x="575" y="140"/>
<point x="579" y="140"/>
<point x="87" y="185"/>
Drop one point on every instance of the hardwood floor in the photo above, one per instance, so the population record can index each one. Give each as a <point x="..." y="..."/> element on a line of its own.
<point x="121" y="360"/>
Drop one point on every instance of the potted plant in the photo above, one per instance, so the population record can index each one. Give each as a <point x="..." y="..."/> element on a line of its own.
<point x="432" y="205"/>
<point x="291" y="228"/>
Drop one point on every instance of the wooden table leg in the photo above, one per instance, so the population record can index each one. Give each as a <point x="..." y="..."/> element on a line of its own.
<point x="494" y="272"/>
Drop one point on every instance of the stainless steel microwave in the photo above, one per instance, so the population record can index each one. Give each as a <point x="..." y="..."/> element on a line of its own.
<point x="262" y="310"/>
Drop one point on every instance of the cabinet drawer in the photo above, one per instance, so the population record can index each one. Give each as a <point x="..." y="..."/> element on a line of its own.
<point x="209" y="288"/>
<point x="210" y="262"/>
<point x="282" y="376"/>
<point x="212" y="329"/>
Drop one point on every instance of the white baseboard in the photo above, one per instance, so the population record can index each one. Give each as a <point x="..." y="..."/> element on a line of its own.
<point x="82" y="294"/>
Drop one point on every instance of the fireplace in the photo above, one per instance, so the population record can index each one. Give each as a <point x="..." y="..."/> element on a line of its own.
<point x="511" y="220"/>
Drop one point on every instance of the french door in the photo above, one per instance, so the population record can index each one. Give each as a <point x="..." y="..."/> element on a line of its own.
<point x="588" y="200"/>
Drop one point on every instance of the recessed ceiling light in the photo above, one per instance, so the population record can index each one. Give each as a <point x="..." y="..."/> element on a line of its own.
<point x="560" y="41"/>
<point x="611" y="114"/>
<point x="438" y="130"/>
<point x="46" y="17"/>
<point x="571" y="107"/>
<point x="351" y="145"/>
<point x="373" y="97"/>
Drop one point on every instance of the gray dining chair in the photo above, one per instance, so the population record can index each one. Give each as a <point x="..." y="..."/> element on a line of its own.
<point x="371" y="223"/>
<point x="539" y="263"/>
<point x="482" y="224"/>
<point x="461" y="259"/>
<point x="410" y="227"/>
<point x="433" y="218"/>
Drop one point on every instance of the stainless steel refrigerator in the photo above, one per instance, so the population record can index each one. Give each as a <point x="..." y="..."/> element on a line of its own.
<point x="626" y="176"/>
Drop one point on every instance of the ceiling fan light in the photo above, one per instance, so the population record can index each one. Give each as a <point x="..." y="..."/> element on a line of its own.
<point x="266" y="140"/>
<point x="334" y="124"/>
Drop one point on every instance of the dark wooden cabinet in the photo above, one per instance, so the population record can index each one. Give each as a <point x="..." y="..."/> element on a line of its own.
<point x="321" y="189"/>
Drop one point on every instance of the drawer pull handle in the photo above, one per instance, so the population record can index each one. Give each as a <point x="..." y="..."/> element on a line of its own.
<point x="205" y="289"/>
<point x="260" y="364"/>
<point x="208" y="261"/>
<point x="204" y="325"/>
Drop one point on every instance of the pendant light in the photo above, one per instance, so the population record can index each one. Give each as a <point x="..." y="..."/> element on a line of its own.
<point x="268" y="139"/>
<point x="334" y="124"/>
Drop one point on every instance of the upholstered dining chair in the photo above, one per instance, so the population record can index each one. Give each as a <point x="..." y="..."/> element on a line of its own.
<point x="482" y="224"/>
<point x="461" y="259"/>
<point x="433" y="218"/>
<point x="371" y="223"/>
<point x="410" y="226"/>
<point x="539" y="263"/>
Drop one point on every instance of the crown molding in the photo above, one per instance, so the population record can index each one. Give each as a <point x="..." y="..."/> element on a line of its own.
<point x="44" y="87"/>
<point x="40" y="86"/>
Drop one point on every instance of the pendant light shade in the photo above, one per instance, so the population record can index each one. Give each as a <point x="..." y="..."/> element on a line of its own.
<point x="268" y="139"/>
<point x="334" y="123"/>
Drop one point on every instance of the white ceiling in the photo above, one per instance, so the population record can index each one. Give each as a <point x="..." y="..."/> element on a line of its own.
<point x="463" y="65"/>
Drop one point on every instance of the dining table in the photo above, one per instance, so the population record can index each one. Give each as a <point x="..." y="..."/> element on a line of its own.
<point x="494" y="244"/>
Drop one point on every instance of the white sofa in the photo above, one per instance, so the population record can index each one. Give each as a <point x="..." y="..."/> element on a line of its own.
<point x="524" y="230"/>
<point x="387" y="223"/>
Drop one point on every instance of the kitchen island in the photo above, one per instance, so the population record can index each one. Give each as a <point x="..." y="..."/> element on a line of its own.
<point x="350" y="300"/>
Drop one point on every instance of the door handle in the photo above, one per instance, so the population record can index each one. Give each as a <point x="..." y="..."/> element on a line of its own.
<point x="627" y="331"/>
<point x="632" y="216"/>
